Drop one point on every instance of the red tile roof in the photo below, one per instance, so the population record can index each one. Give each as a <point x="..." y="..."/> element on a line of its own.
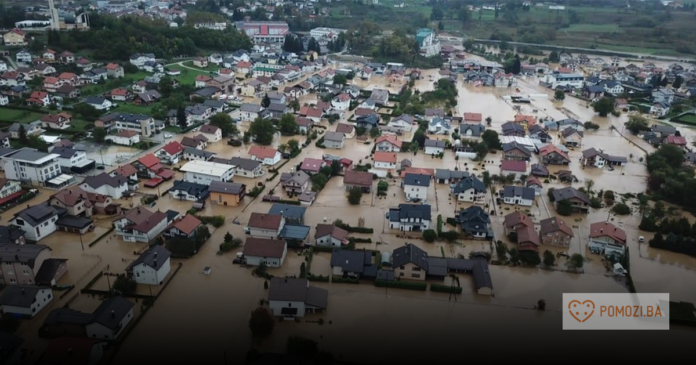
<point x="473" y="117"/>
<point x="311" y="164"/>
<point x="360" y="178"/>
<point x="149" y="160"/>
<point x="518" y="166"/>
<point x="602" y="229"/>
<point x="187" y="224"/>
<point x="259" y="247"/>
<point x="530" y="120"/>
<point x="265" y="221"/>
<point x="549" y="148"/>
<point x="390" y="139"/>
<point x="676" y="140"/>
<point x="262" y="152"/>
<point x="385" y="157"/>
<point x="172" y="148"/>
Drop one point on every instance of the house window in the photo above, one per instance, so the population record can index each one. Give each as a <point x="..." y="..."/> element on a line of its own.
<point x="401" y="274"/>
<point x="415" y="275"/>
<point x="416" y="268"/>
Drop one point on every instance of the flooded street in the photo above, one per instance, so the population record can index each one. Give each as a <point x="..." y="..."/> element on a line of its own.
<point x="210" y="313"/>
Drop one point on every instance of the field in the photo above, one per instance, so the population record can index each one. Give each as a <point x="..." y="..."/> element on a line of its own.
<point x="188" y="76"/>
<point x="132" y="108"/>
<point x="21" y="116"/>
<point x="686" y="119"/>
<point x="610" y="25"/>
<point x="111" y="84"/>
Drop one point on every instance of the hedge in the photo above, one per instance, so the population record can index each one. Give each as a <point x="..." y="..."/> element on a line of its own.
<point x="338" y="279"/>
<point x="272" y="177"/>
<point x="320" y="278"/>
<point x="401" y="285"/>
<point x="355" y="229"/>
<point x="445" y="288"/>
<point x="451" y="221"/>
<point x="323" y="248"/>
<point x="359" y="240"/>
<point x="290" y="202"/>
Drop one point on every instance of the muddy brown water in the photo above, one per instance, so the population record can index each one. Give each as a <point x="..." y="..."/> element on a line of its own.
<point x="199" y="315"/>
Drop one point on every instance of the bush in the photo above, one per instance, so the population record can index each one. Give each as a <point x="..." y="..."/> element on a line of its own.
<point x="319" y="278"/>
<point x="429" y="235"/>
<point x="354" y="195"/>
<point x="338" y="279"/>
<point x="439" y="288"/>
<point x="125" y="284"/>
<point x="256" y="191"/>
<point x="354" y="229"/>
<point x="449" y="235"/>
<point x="621" y="209"/>
<point x="401" y="285"/>
<point x="216" y="221"/>
<point x="359" y="240"/>
<point x="451" y="221"/>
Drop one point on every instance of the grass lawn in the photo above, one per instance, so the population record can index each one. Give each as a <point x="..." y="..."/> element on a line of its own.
<point x="593" y="28"/>
<point x="686" y="119"/>
<point x="211" y="66"/>
<point x="111" y="84"/>
<point x="132" y="108"/>
<point x="188" y="77"/>
<point x="21" y="116"/>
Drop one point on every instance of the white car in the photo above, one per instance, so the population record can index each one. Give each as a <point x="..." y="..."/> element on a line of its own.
<point x="167" y="135"/>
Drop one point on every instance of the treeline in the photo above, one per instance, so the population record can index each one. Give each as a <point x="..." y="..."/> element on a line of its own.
<point x="675" y="243"/>
<point x="116" y="39"/>
<point x="670" y="179"/>
<point x="673" y="234"/>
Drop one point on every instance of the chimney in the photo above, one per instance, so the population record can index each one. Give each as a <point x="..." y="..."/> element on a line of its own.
<point x="113" y="314"/>
<point x="138" y="210"/>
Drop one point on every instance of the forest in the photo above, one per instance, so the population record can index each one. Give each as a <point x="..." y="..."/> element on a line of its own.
<point x="116" y="39"/>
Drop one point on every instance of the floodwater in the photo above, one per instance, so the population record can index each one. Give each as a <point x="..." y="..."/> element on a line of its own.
<point x="209" y="313"/>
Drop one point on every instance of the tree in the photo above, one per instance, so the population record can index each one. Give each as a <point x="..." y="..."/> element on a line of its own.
<point x="287" y="125"/>
<point x="481" y="150"/>
<point x="261" y="322"/>
<point x="125" y="284"/>
<point x="604" y="106"/>
<point x="375" y="132"/>
<point x="496" y="11"/>
<point x="559" y="95"/>
<point x="181" y="117"/>
<point x="99" y="134"/>
<point x="440" y="26"/>
<point x="228" y="238"/>
<point x="437" y="14"/>
<point x="637" y="124"/>
<point x="564" y="207"/>
<point x="225" y="123"/>
<point x="263" y="131"/>
<point x="429" y="235"/>
<point x="554" y="57"/>
<point x="165" y="86"/>
<point x="549" y="259"/>
<point x="318" y="182"/>
<point x="589" y="184"/>
<point x="22" y="134"/>
<point x="294" y="104"/>
<point x="340" y="80"/>
<point x="491" y="138"/>
<point x="464" y="14"/>
<point x="576" y="261"/>
<point x="621" y="209"/>
<point x="517" y="65"/>
<point x="541" y="304"/>
<point x="677" y="82"/>
<point x="266" y="101"/>
<point x="293" y="145"/>
<point x="354" y="195"/>
<point x="489" y="120"/>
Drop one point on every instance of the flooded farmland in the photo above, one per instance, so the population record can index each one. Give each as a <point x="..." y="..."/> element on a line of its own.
<point x="210" y="313"/>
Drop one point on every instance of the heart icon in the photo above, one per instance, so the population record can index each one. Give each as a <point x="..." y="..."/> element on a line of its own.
<point x="581" y="311"/>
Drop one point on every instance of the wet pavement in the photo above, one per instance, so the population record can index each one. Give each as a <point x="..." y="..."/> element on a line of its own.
<point x="212" y="311"/>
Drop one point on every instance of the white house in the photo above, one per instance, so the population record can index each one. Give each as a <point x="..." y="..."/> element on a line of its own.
<point x="151" y="267"/>
<point x="110" y="318"/>
<point x="37" y="221"/>
<point x="613" y="87"/>
<point x="334" y="140"/>
<point x="292" y="297"/>
<point x="246" y="167"/>
<point x="124" y="138"/>
<point x="247" y="112"/>
<point x="470" y="189"/>
<point x="330" y="235"/>
<point x="140" y="225"/>
<point x="403" y="123"/>
<point x="518" y="195"/>
<point x="267" y="155"/>
<point x="113" y="186"/>
<point x="410" y="217"/>
<point x="72" y="160"/>
<point x="265" y="225"/>
<point x="211" y="132"/>
<point x="440" y="125"/>
<point x="265" y="250"/>
<point x="388" y="143"/>
<point x="607" y="238"/>
<point x="139" y="59"/>
<point x="341" y="102"/>
<point x="434" y="146"/>
<point x="385" y="160"/>
<point x="204" y="172"/>
<point x="556" y="79"/>
<point x="416" y="186"/>
<point x="29" y="164"/>
<point x="659" y="109"/>
<point x="99" y="102"/>
<point x="25" y="300"/>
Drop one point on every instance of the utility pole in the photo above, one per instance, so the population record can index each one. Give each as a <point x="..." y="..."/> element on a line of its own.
<point x="82" y="244"/>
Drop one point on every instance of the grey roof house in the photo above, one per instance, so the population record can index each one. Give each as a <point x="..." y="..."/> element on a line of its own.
<point x="475" y="221"/>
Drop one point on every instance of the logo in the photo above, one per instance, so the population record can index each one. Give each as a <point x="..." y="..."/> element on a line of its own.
<point x="581" y="311"/>
<point x="616" y="311"/>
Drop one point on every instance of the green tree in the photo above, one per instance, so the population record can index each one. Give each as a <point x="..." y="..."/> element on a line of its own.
<point x="440" y="26"/>
<point x="22" y="134"/>
<point x="437" y="14"/>
<point x="576" y="261"/>
<point x="165" y="86"/>
<point x="492" y="139"/>
<point x="554" y="57"/>
<point x="228" y="238"/>
<point x="293" y="145"/>
<point x="564" y="207"/>
<point x="125" y="284"/>
<point x="621" y="209"/>
<point x="287" y="125"/>
<point x="263" y="131"/>
<point x="225" y="123"/>
<point x="464" y="14"/>
<point x="559" y="95"/>
<point x="99" y="134"/>
<point x="516" y="65"/>
<point x="604" y="106"/>
<point x="354" y="195"/>
<point x="266" y="101"/>
<point x="429" y="235"/>
<point x="261" y="322"/>
<point x="541" y="304"/>
<point x="678" y="81"/>
<point x="295" y="105"/>
<point x="181" y="119"/>
<point x="549" y="259"/>
<point x="481" y="150"/>
<point x="339" y="79"/>
<point x="637" y="124"/>
<point x="301" y="347"/>
<point x="318" y="182"/>
<point x="375" y="132"/>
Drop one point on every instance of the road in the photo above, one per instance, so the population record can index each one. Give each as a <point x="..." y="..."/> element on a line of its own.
<point x="459" y="40"/>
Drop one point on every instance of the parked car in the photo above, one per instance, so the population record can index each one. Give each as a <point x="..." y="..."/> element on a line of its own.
<point x="167" y="135"/>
